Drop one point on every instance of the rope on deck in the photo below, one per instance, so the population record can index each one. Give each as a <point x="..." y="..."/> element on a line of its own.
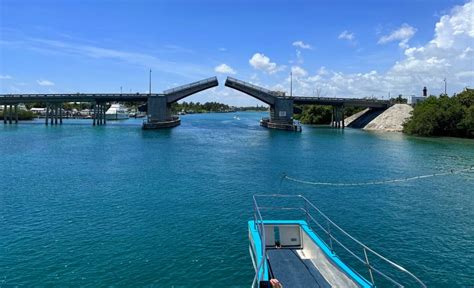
<point x="378" y="182"/>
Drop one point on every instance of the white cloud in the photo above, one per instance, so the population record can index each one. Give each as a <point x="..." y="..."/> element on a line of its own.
<point x="346" y="35"/>
<point x="297" y="71"/>
<point x="5" y="77"/>
<point x="402" y="34"/>
<point x="224" y="69"/>
<point x="449" y="54"/>
<point x="222" y="49"/>
<point x="44" y="83"/>
<point x="261" y="62"/>
<point x="302" y="45"/>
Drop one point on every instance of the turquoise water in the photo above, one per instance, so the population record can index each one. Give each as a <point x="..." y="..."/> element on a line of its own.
<point x="116" y="205"/>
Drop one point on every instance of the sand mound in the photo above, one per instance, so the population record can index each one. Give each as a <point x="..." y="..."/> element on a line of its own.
<point x="392" y="119"/>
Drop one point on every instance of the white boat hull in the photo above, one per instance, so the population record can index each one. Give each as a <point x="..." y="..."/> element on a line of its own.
<point x="116" y="116"/>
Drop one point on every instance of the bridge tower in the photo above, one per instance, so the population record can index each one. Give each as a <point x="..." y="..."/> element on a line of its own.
<point x="159" y="105"/>
<point x="281" y="107"/>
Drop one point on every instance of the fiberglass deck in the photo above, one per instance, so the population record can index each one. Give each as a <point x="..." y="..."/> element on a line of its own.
<point x="292" y="271"/>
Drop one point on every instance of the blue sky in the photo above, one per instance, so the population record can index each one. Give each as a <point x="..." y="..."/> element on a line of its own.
<point x="334" y="48"/>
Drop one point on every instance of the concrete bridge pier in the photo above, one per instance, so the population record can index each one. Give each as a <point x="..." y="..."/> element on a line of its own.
<point x="337" y="117"/>
<point x="52" y="114"/>
<point x="94" y="119"/>
<point x="281" y="115"/>
<point x="159" y="105"/>
<point x="16" y="113"/>
<point x="99" y="113"/>
<point x="104" y="109"/>
<point x="56" y="114"/>
<point x="281" y="107"/>
<point x="61" y="114"/>
<point x="46" y="115"/>
<point x="10" y="114"/>
<point x="5" y="114"/>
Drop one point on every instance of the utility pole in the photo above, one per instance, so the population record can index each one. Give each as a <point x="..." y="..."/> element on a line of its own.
<point x="445" y="86"/>
<point x="149" y="91"/>
<point x="291" y="83"/>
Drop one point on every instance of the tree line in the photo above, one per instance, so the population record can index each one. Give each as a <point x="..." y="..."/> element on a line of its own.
<point x="443" y="116"/>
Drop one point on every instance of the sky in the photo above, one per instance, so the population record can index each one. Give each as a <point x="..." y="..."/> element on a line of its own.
<point x="331" y="48"/>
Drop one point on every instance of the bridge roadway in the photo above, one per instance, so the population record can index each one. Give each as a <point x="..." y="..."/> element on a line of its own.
<point x="158" y="105"/>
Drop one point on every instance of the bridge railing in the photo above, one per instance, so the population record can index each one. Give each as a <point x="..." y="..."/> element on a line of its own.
<point x="336" y="99"/>
<point x="251" y="85"/>
<point x="194" y="84"/>
<point x="337" y="237"/>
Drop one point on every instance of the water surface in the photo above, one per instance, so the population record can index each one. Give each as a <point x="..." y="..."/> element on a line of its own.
<point x="116" y="205"/>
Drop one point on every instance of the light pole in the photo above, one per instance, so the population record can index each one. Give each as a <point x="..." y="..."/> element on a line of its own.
<point x="445" y="86"/>
<point x="149" y="91"/>
<point x="291" y="83"/>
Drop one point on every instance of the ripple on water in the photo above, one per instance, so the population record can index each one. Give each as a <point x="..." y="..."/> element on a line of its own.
<point x="118" y="206"/>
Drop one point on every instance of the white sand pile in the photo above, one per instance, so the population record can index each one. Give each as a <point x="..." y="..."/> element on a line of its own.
<point x="392" y="119"/>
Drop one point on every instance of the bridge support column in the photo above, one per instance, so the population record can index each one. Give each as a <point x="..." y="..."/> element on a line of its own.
<point x="342" y="115"/>
<point x="105" y="110"/>
<point x="99" y="115"/>
<point x="5" y="114"/>
<point x="16" y="113"/>
<point x="61" y="113"/>
<point x="159" y="114"/>
<point x="46" y="115"/>
<point x="56" y="114"/>
<point x="94" y="118"/>
<point x="51" y="114"/>
<point x="10" y="114"/>
<point x="332" y="116"/>
<point x="281" y="116"/>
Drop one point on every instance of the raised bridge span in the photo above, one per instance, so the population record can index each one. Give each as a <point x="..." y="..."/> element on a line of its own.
<point x="158" y="105"/>
<point x="282" y="106"/>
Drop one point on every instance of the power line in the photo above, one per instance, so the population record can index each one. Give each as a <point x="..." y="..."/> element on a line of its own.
<point x="378" y="182"/>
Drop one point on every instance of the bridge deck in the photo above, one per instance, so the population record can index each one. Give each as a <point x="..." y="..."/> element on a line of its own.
<point x="74" y="97"/>
<point x="372" y="103"/>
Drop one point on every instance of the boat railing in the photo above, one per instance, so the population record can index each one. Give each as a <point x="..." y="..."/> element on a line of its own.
<point x="330" y="229"/>
<point x="261" y="266"/>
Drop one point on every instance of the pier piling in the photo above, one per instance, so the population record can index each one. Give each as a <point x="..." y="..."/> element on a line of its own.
<point x="10" y="114"/>
<point x="61" y="113"/>
<point x="46" y="116"/>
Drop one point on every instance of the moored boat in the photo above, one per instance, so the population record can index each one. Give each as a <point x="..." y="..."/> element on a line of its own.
<point x="289" y="251"/>
<point x="117" y="112"/>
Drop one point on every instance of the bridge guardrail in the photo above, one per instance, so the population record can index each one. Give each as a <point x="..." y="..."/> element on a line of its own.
<point x="182" y="87"/>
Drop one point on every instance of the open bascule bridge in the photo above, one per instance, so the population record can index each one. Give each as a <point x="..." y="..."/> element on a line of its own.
<point x="282" y="107"/>
<point x="158" y="106"/>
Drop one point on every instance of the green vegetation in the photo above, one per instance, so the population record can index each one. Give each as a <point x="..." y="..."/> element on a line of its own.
<point x="252" y="108"/>
<point x="22" y="115"/>
<point x="444" y="116"/>
<point x="318" y="114"/>
<point x="200" y="108"/>
<point x="399" y="100"/>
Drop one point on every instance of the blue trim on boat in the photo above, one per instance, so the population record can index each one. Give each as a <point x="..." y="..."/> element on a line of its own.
<point x="318" y="241"/>
<point x="257" y="248"/>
